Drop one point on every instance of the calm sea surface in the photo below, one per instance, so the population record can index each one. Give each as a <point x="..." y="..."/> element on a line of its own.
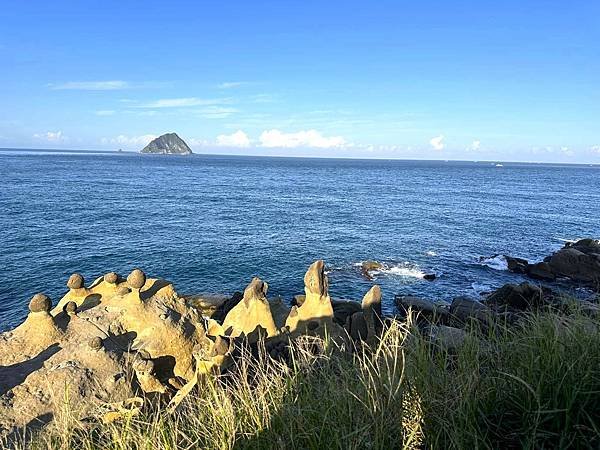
<point x="211" y="223"/>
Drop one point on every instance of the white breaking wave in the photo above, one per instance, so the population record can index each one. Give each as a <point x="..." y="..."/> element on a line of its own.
<point x="406" y="270"/>
<point x="431" y="253"/>
<point x="480" y="288"/>
<point x="497" y="262"/>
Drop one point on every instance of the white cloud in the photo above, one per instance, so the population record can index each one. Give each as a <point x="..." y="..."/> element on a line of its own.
<point x="216" y="112"/>
<point x="567" y="151"/>
<point x="595" y="149"/>
<point x="127" y="141"/>
<point x="475" y="145"/>
<point x="183" y="102"/>
<point x="51" y="136"/>
<point x="111" y="85"/>
<point x="232" y="84"/>
<point x="237" y="139"/>
<point x="309" y="138"/>
<point x="105" y="112"/>
<point x="437" y="142"/>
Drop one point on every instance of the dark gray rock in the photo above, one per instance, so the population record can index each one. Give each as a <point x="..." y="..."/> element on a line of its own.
<point x="425" y="308"/>
<point x="518" y="296"/>
<point x="516" y="265"/>
<point x="541" y="271"/>
<point x="167" y="144"/>
<point x="579" y="261"/>
<point x="465" y="308"/>
<point x="342" y="309"/>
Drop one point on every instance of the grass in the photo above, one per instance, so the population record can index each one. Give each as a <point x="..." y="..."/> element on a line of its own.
<point x="533" y="385"/>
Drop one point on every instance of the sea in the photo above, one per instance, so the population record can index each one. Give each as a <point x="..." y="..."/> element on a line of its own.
<point x="210" y="223"/>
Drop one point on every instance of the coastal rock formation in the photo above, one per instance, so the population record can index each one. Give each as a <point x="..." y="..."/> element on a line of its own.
<point x="107" y="343"/>
<point x="578" y="261"/>
<point x="251" y="313"/>
<point x="167" y="144"/>
<point x="317" y="305"/>
<point x="99" y="345"/>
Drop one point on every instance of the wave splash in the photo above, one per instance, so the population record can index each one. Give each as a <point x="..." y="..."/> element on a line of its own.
<point x="497" y="262"/>
<point x="405" y="269"/>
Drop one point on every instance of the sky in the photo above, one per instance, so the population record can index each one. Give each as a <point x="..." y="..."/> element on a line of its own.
<point x="480" y="80"/>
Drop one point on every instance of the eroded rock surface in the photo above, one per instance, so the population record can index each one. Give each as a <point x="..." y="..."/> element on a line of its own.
<point x="120" y="338"/>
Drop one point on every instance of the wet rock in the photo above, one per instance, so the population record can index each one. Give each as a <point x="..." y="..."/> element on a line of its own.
<point x="429" y="276"/>
<point x="367" y="267"/>
<point x="516" y="265"/>
<point x="541" y="271"/>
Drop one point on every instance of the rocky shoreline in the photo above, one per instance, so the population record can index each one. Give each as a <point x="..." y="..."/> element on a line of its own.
<point x="119" y="342"/>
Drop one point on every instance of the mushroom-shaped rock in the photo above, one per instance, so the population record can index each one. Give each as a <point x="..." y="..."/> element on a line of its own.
<point x="317" y="304"/>
<point x="253" y="311"/>
<point x="40" y="302"/>
<point x="111" y="277"/>
<point x="76" y="281"/>
<point x="136" y="279"/>
<point x="70" y="308"/>
<point x="96" y="343"/>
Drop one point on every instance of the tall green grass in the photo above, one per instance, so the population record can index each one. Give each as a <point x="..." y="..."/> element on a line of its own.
<point x="531" y="385"/>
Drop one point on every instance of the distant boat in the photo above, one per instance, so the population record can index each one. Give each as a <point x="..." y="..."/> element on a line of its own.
<point x="499" y="165"/>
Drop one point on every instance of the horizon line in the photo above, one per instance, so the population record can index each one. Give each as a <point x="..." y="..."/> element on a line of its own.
<point x="138" y="152"/>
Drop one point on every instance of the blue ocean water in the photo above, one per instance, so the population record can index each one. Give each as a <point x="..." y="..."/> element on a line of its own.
<point x="211" y="223"/>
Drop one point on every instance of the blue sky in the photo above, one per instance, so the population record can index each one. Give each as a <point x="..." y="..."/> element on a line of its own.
<point x="511" y="80"/>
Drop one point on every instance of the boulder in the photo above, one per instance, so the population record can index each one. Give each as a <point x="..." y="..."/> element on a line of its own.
<point x="518" y="296"/>
<point x="516" y="265"/>
<point x="447" y="338"/>
<point x="579" y="261"/>
<point x="422" y="306"/>
<point x="541" y="271"/>
<point x="367" y="267"/>
<point x="465" y="308"/>
<point x="342" y="309"/>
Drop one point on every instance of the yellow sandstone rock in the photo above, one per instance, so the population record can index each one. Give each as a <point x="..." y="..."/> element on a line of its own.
<point x="251" y="312"/>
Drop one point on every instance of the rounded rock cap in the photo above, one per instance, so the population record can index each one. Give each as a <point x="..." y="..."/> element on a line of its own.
<point x="136" y="279"/>
<point x="111" y="277"/>
<point x="75" y="281"/>
<point x="122" y="290"/>
<point x="96" y="343"/>
<point x="40" y="302"/>
<point x="70" y="308"/>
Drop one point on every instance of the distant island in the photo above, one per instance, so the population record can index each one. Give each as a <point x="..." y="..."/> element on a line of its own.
<point x="167" y="144"/>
